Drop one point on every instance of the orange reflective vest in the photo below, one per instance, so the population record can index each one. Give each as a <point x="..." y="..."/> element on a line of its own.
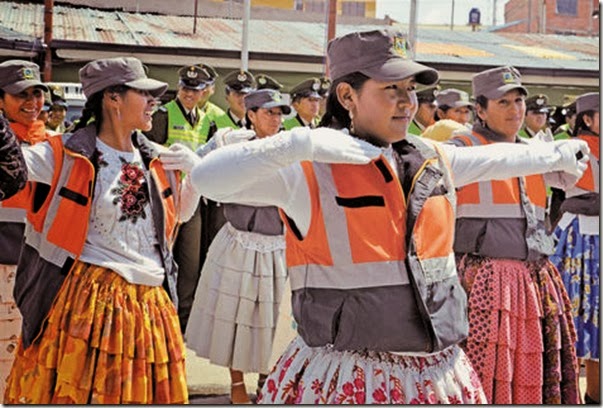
<point x="376" y="269"/>
<point x="58" y="223"/>
<point x="514" y="210"/>
<point x="590" y="181"/>
<point x="13" y="210"/>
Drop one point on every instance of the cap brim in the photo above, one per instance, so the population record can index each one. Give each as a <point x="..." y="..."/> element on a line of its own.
<point x="285" y="108"/>
<point x="199" y="87"/>
<point x="20" y="86"/>
<point x="153" y="86"/>
<point x="397" y="69"/>
<point x="499" y="92"/>
<point x="460" y="104"/>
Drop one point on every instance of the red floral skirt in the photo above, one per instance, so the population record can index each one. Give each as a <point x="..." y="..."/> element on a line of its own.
<point x="106" y="341"/>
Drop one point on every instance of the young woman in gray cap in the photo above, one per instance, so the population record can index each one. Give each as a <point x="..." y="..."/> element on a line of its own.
<point x="521" y="336"/>
<point x="235" y="310"/>
<point x="577" y="255"/>
<point x="21" y="101"/>
<point x="98" y="324"/>
<point x="369" y="219"/>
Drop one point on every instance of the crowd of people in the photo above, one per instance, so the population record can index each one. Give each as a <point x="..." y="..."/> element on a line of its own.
<point x="440" y="247"/>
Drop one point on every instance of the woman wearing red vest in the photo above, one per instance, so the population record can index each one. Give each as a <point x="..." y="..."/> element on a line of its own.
<point x="369" y="219"/>
<point x="98" y="324"/>
<point x="521" y="336"/>
<point x="578" y="251"/>
<point x="21" y="101"/>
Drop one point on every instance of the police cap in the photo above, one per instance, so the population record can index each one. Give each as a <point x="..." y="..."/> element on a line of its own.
<point x="240" y="81"/>
<point x="538" y="103"/>
<point x="428" y="95"/>
<point x="267" y="82"/>
<point x="193" y="77"/>
<point x="309" y="88"/>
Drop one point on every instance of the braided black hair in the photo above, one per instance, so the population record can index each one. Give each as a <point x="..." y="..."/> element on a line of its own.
<point x="93" y="109"/>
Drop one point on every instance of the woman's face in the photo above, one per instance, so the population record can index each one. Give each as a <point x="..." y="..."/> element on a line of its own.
<point x="137" y="109"/>
<point x="593" y="123"/>
<point x="504" y="115"/>
<point x="307" y="107"/>
<point x="266" y="122"/>
<point x="462" y="114"/>
<point x="24" y="107"/>
<point x="381" y="111"/>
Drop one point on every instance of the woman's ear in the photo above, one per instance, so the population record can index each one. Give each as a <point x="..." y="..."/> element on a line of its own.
<point x="480" y="112"/>
<point x="345" y="94"/>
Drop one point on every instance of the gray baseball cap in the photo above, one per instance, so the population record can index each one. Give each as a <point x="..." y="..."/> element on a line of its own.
<point x="494" y="83"/>
<point x="266" y="98"/>
<point x="587" y="102"/>
<point x="383" y="55"/>
<point x="99" y="74"/>
<point x="18" y="75"/>
<point x="453" y="98"/>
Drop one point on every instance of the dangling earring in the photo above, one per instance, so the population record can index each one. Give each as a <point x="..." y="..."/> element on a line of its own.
<point x="118" y="114"/>
<point x="351" y="121"/>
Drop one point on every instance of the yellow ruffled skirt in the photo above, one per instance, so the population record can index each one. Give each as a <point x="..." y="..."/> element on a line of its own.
<point x="106" y="341"/>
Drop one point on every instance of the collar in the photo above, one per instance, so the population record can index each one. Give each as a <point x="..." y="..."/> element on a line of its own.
<point x="32" y="134"/>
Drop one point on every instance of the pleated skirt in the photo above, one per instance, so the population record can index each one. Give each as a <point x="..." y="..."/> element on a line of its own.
<point x="235" y="311"/>
<point x="521" y="336"/>
<point x="577" y="258"/>
<point x="106" y="341"/>
<point x="322" y="375"/>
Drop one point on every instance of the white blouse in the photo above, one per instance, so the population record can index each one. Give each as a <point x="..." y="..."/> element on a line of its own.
<point x="121" y="233"/>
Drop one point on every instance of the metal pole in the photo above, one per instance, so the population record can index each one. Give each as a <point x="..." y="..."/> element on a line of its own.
<point x="245" y="47"/>
<point x="195" y="18"/>
<point x="529" y="16"/>
<point x="331" y="29"/>
<point x="452" y="17"/>
<point x="48" y="10"/>
<point x="494" y="14"/>
<point x="412" y="27"/>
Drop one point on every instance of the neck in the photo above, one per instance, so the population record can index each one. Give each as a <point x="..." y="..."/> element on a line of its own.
<point x="115" y="134"/>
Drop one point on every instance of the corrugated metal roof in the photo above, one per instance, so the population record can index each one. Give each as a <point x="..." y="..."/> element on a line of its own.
<point x="296" y="38"/>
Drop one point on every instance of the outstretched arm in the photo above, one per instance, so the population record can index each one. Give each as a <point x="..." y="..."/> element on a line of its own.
<point x="499" y="161"/>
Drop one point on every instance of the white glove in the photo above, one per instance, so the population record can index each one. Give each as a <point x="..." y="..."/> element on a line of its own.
<point x="179" y="157"/>
<point x="333" y="146"/>
<point x="573" y="156"/>
<point x="544" y="135"/>
<point x="228" y="136"/>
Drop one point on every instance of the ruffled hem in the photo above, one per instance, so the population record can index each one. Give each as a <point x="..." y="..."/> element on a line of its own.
<point x="106" y="341"/>
<point x="520" y="331"/>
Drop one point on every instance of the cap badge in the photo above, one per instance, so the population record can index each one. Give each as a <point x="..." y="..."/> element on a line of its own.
<point x="400" y="47"/>
<point x="540" y="101"/>
<point x="464" y="97"/>
<point x="315" y="85"/>
<point x="276" y="97"/>
<point x="192" y="73"/>
<point x="324" y="85"/>
<point x="262" y="81"/>
<point x="242" y="77"/>
<point x="508" y="78"/>
<point x="27" y="73"/>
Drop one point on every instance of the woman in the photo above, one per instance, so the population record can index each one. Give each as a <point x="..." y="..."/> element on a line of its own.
<point x="98" y="326"/>
<point x="454" y="104"/>
<point x="369" y="231"/>
<point x="577" y="252"/>
<point x="521" y="337"/>
<point x="21" y="101"/>
<point x="235" y="310"/>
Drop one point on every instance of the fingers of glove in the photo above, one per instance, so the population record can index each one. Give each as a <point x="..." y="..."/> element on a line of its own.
<point x="238" y="136"/>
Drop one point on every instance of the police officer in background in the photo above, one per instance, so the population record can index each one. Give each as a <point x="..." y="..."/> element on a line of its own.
<point x="210" y="110"/>
<point x="180" y="121"/>
<point x="305" y="99"/>
<point x="264" y="81"/>
<point x="57" y="112"/>
<point x="568" y="115"/>
<point x="237" y="84"/>
<point x="325" y="85"/>
<point x="426" y="112"/>
<point x="536" y="119"/>
<point x="454" y="104"/>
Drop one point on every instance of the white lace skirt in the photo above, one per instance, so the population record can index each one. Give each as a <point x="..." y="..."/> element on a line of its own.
<point x="322" y="375"/>
<point x="235" y="310"/>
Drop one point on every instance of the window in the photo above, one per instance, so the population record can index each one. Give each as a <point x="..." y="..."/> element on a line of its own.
<point x="315" y="6"/>
<point x="353" y="8"/>
<point x="298" y="5"/>
<point x="567" y="7"/>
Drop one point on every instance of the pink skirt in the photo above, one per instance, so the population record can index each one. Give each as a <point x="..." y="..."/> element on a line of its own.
<point x="521" y="336"/>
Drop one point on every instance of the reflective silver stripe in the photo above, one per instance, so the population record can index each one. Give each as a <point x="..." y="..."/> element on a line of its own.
<point x="363" y="275"/>
<point x="12" y="215"/>
<point x="489" y="210"/>
<point x="438" y="269"/>
<point x="49" y="252"/>
<point x="334" y="216"/>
